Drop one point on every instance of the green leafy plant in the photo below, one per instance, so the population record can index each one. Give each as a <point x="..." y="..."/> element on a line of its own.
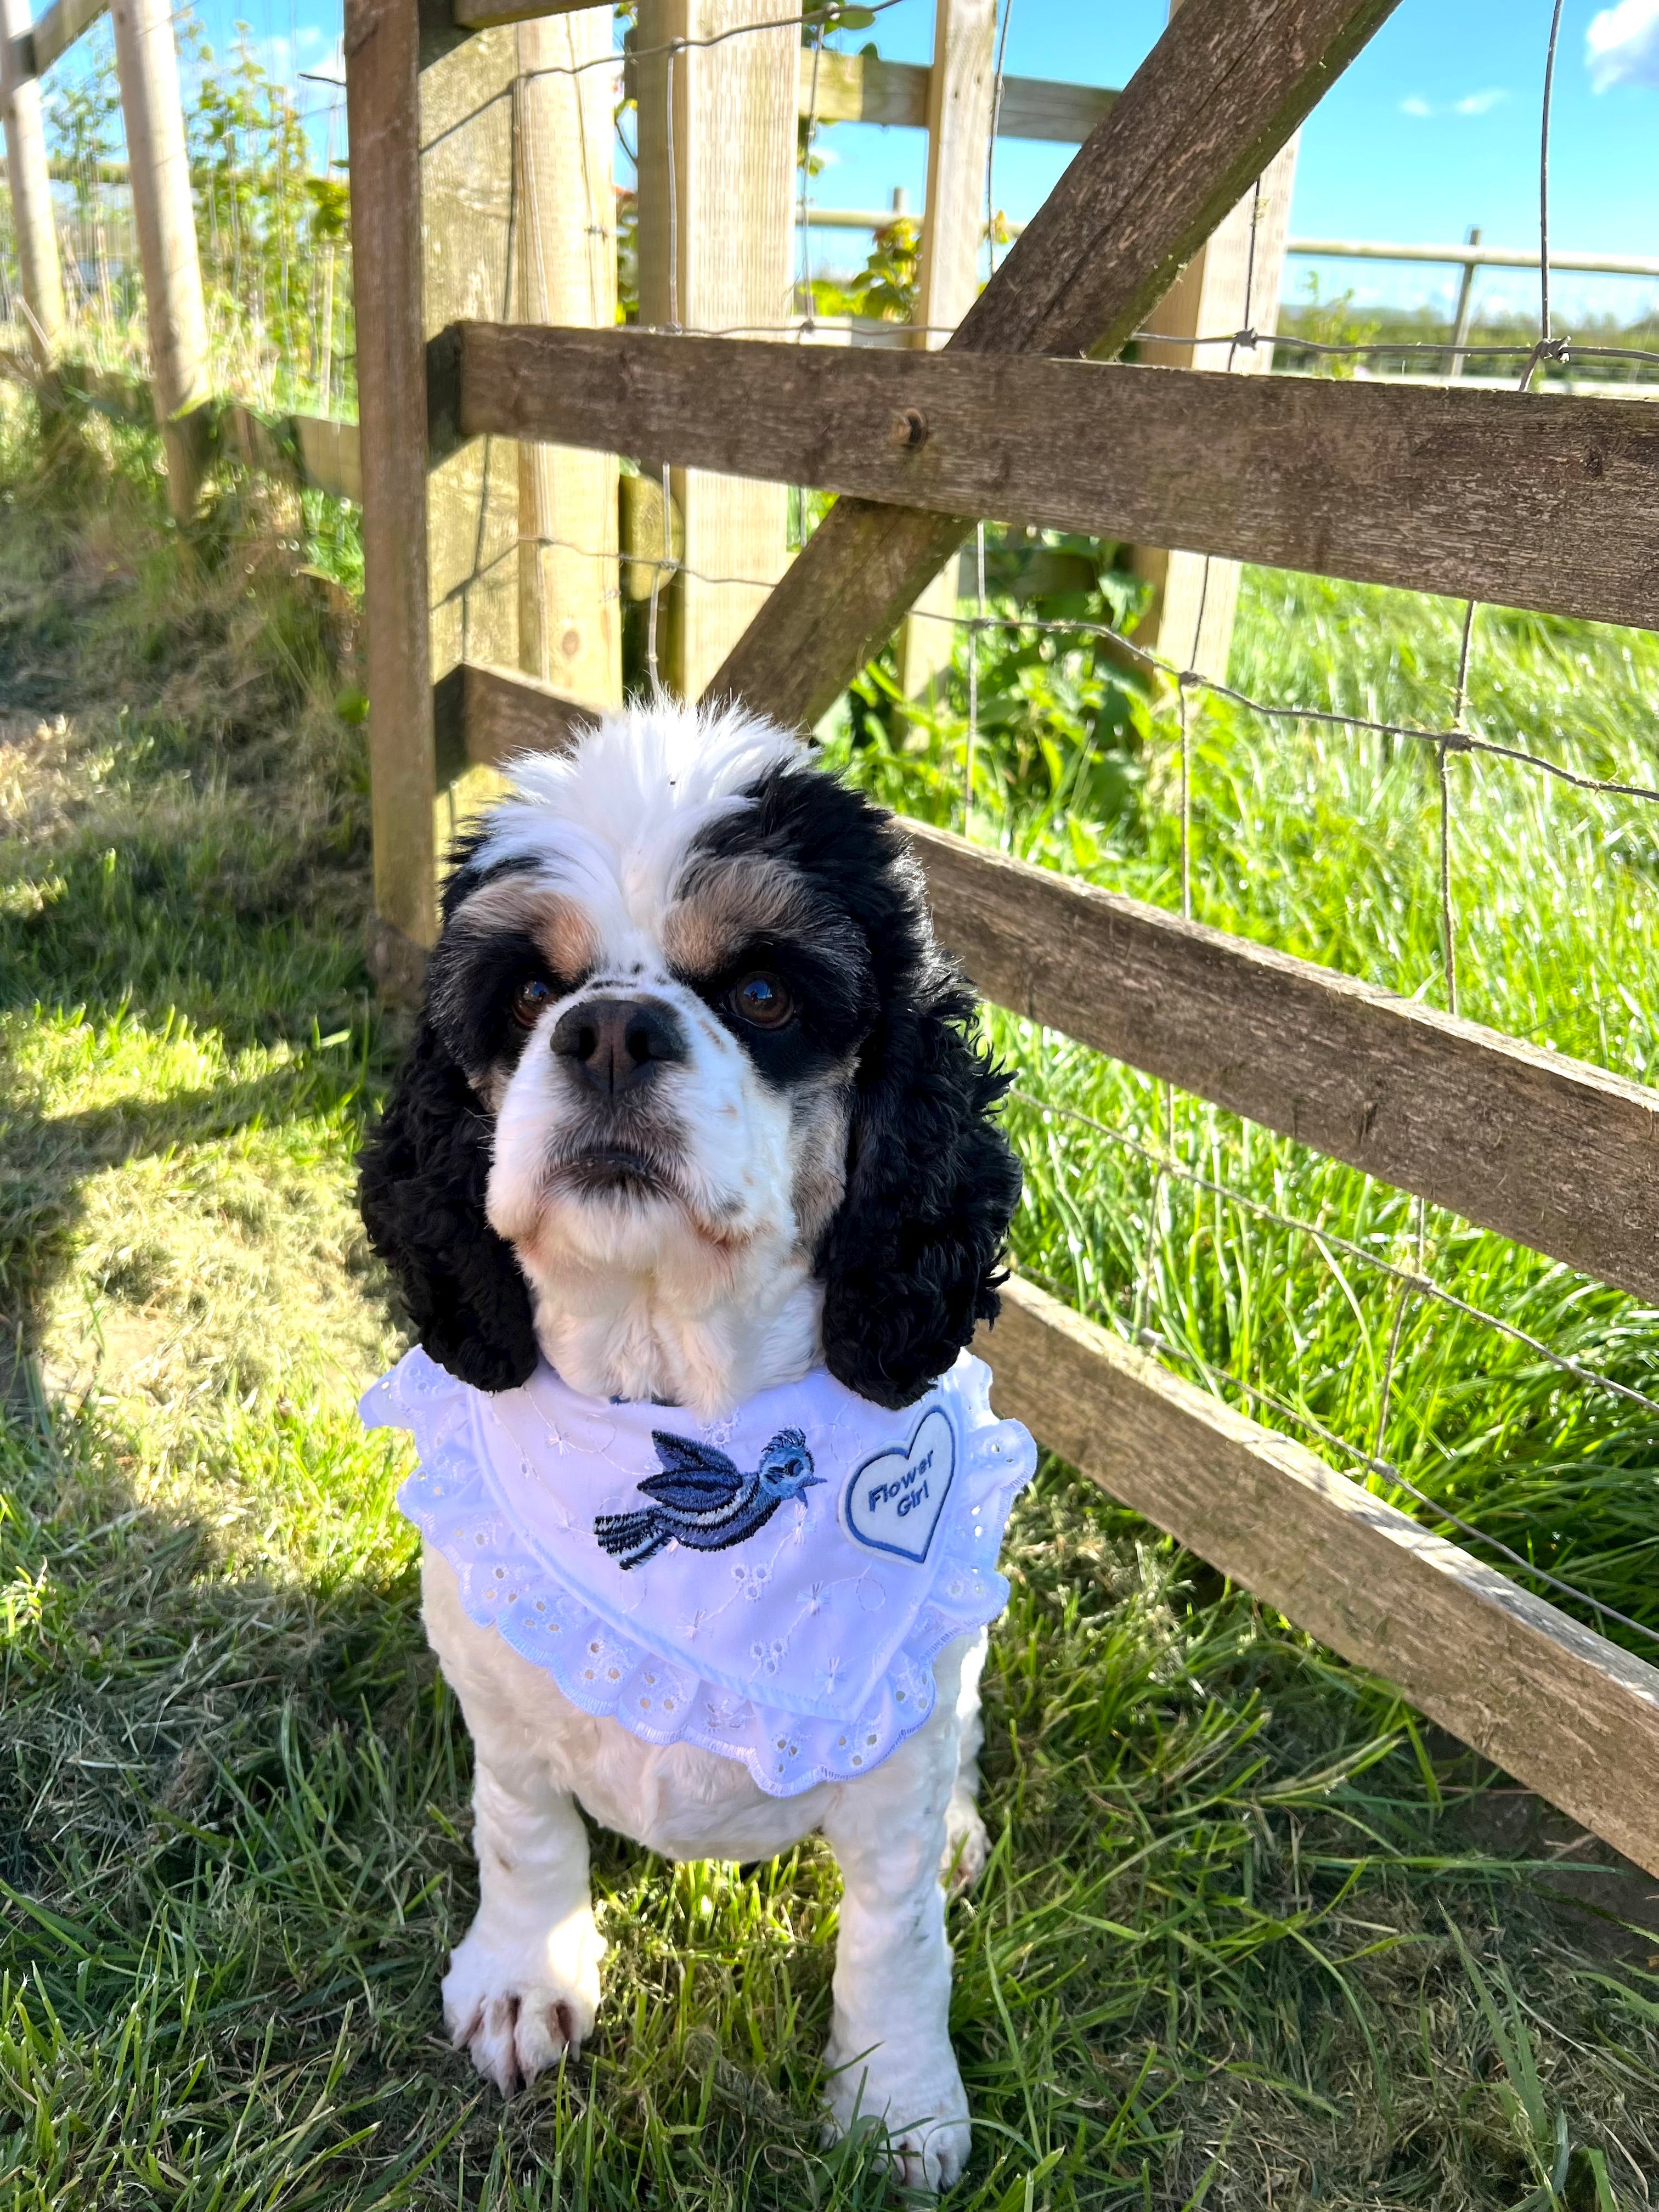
<point x="1328" y="321"/>
<point x="885" y="288"/>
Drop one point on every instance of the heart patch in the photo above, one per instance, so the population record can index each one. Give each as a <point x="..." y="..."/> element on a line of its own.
<point x="893" y="1502"/>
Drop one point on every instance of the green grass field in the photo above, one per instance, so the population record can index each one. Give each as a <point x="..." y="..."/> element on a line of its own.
<point x="1252" y="1934"/>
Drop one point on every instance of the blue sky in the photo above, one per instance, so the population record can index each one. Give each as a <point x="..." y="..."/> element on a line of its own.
<point x="1433" y="128"/>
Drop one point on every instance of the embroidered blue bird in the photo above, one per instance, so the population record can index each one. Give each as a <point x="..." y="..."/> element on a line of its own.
<point x="701" y="1500"/>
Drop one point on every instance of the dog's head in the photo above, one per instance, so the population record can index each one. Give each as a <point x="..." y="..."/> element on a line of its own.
<point x="688" y="1052"/>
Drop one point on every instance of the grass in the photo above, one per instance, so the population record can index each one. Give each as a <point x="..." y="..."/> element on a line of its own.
<point x="1245" y="1939"/>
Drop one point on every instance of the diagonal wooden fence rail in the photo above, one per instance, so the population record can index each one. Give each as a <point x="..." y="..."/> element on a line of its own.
<point x="1548" y="503"/>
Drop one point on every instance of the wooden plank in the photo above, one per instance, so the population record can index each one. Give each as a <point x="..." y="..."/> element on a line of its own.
<point x="1039" y="108"/>
<point x="1225" y="85"/>
<point x="505" y="713"/>
<point x="1232" y="282"/>
<point x="468" y="231"/>
<point x="330" y="456"/>
<point x="1540" y="501"/>
<point x="486" y="14"/>
<point x="59" y="28"/>
<point x="164" y="217"/>
<point x="961" y="83"/>
<point x="306" y="449"/>
<point x="30" y="187"/>
<point x="569" y="615"/>
<point x="1545" y="1149"/>
<point x="1554" y="1704"/>
<point x="716" y="247"/>
<point x="382" y="58"/>
<point x="858" y="88"/>
<point x="1555" y="1154"/>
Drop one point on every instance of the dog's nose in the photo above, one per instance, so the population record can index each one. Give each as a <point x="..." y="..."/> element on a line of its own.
<point x="616" y="1043"/>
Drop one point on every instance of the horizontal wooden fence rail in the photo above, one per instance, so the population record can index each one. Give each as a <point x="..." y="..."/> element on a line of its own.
<point x="1551" y="1703"/>
<point x="1560" y="1156"/>
<point x="485" y="15"/>
<point x="487" y="716"/>
<point x="1550" y="1151"/>
<point x="1527" y="501"/>
<point x="860" y="87"/>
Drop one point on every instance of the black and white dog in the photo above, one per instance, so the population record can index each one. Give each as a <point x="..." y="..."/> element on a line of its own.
<point x="694" y="1109"/>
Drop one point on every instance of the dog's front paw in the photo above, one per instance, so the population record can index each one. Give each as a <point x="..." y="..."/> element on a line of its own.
<point x="520" y="2009"/>
<point x="918" y="2110"/>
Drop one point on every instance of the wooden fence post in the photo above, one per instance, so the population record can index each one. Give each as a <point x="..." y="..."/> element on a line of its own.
<point x="469" y="215"/>
<point x="1234" y="279"/>
<point x="569" y="625"/>
<point x="164" y="217"/>
<point x="960" y="88"/>
<point x="31" y="187"/>
<point x="382" y="55"/>
<point x="717" y="150"/>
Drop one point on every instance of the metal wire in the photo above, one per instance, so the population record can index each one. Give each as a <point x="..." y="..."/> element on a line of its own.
<point x="1413" y="1280"/>
<point x="1391" y="1474"/>
<point x="1407" y="1277"/>
<point x="1558" y="349"/>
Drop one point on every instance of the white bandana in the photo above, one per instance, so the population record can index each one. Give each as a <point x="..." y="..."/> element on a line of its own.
<point x="774" y="1586"/>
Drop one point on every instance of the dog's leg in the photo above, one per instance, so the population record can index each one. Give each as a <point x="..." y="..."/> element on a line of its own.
<point x="523" y="1986"/>
<point x="890" y="2056"/>
<point x="966" y="1848"/>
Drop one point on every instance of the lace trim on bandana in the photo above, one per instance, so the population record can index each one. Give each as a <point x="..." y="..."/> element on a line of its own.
<point x="661" y="1700"/>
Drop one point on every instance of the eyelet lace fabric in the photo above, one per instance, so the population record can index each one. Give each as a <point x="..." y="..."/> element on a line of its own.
<point x="778" y="1591"/>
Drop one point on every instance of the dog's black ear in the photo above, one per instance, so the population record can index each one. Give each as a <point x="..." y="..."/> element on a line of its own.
<point x="910" y="1262"/>
<point x="421" y="1186"/>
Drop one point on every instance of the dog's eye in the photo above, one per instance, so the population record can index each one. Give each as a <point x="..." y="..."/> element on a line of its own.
<point x="529" y="1001"/>
<point x="762" y="1000"/>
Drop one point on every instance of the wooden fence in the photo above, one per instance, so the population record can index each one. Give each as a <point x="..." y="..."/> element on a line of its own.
<point x="1551" y="505"/>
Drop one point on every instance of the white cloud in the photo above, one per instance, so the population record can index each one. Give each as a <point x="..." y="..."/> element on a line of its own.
<point x="1622" y="44"/>
<point x="1472" y="103"/>
<point x="318" y="59"/>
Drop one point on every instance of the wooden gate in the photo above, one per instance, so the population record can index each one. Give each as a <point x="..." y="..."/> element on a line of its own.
<point x="1551" y="505"/>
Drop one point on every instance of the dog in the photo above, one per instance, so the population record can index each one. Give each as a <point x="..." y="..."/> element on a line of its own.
<point x="694" y="1109"/>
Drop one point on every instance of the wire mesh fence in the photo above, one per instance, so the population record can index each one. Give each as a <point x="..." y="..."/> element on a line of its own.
<point x="1505" y="1401"/>
<point x="1454" y="802"/>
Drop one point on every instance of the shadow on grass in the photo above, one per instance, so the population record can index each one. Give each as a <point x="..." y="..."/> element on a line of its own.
<point x="48" y="1160"/>
<point x="233" y="1856"/>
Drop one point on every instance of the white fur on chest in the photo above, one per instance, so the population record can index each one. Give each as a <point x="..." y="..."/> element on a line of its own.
<point x="677" y="1799"/>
